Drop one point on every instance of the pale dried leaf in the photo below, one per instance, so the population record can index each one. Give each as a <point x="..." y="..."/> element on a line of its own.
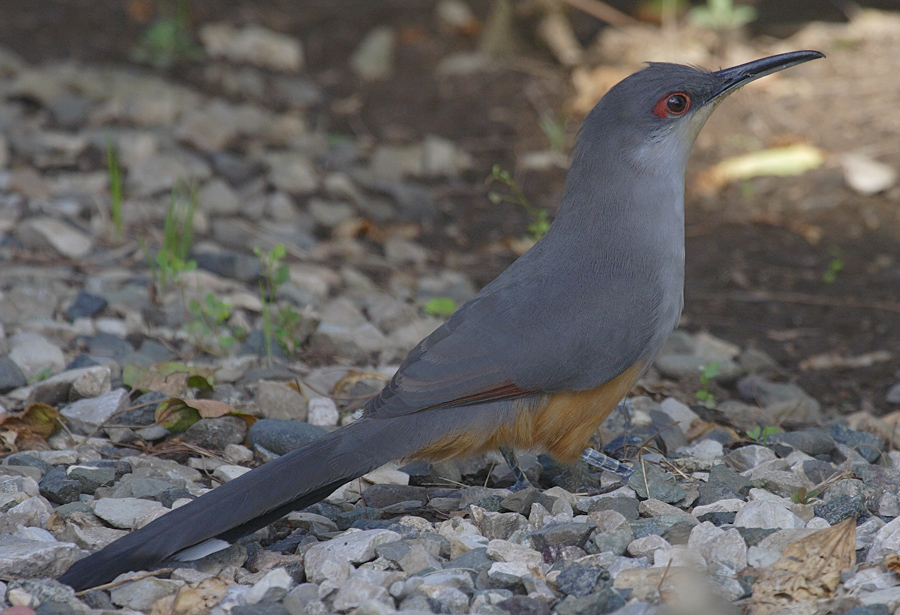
<point x="778" y="161"/>
<point x="810" y="568"/>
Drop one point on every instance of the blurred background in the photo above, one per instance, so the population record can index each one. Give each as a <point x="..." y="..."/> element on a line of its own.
<point x="417" y="147"/>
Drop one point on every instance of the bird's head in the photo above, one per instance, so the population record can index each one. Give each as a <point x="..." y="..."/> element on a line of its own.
<point x="652" y="118"/>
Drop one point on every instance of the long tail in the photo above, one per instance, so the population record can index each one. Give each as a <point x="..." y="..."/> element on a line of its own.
<point x="255" y="499"/>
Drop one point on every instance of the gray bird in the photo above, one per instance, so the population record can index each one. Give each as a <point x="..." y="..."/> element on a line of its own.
<point x="540" y="357"/>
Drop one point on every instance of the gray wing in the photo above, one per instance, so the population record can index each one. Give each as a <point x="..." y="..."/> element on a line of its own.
<point x="521" y="336"/>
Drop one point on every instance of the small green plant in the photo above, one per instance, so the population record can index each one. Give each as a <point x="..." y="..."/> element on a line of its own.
<point x="440" y="306"/>
<point x="721" y="15"/>
<point x="707" y="372"/>
<point x="208" y="325"/>
<point x="555" y="130"/>
<point x="171" y="259"/>
<point x="115" y="188"/>
<point x="282" y="324"/>
<point x="168" y="39"/>
<point x="802" y="496"/>
<point x="539" y="217"/>
<point x="761" y="434"/>
<point x="41" y="375"/>
<point x="835" y="265"/>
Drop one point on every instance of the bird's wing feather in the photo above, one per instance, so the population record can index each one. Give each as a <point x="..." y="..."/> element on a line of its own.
<point x="513" y="340"/>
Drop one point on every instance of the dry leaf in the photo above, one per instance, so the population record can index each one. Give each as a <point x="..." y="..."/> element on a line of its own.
<point x="809" y="569"/>
<point x="833" y="361"/>
<point x="177" y="414"/>
<point x="344" y="386"/>
<point x="779" y="161"/>
<point x="171" y="378"/>
<point x="30" y="429"/>
<point x="892" y="562"/>
<point x="193" y="600"/>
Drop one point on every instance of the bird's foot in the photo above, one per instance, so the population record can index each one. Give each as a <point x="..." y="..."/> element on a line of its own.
<point x="522" y="482"/>
<point x="598" y="460"/>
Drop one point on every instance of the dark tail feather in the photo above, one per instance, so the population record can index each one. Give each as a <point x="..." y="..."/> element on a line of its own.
<point x="253" y="500"/>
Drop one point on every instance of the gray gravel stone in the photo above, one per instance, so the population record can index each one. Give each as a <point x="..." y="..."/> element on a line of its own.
<point x="278" y="437"/>
<point x="11" y="377"/>
<point x="253" y="44"/>
<point x="292" y="172"/>
<point x="44" y="231"/>
<point x="661" y="485"/>
<point x="141" y="595"/>
<point x="767" y="515"/>
<point x="867" y="445"/>
<point x="215" y="434"/>
<point x="350" y="547"/>
<point x="159" y="173"/>
<point x="810" y="441"/>
<point x="35" y="559"/>
<point x="124" y="513"/>
<point x="35" y="355"/>
<point x="373" y="59"/>
<point x="86" y="414"/>
<point x="57" y="487"/>
<point x="749" y="457"/>
<point x="276" y="400"/>
<point x="217" y="198"/>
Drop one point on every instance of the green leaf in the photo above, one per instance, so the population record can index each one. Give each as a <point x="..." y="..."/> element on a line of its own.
<point x="440" y="306"/>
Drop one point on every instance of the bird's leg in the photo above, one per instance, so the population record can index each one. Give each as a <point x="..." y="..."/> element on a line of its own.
<point x="522" y="482"/>
<point x="599" y="460"/>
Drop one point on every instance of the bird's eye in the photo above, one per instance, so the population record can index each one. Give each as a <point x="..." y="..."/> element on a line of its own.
<point x="672" y="105"/>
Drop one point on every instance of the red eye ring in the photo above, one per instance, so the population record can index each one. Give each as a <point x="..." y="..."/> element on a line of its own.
<point x="672" y="105"/>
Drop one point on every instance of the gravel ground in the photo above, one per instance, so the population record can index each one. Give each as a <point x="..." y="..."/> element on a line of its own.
<point x="175" y="370"/>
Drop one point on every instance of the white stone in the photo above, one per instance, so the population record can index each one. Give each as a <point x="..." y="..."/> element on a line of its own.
<point x="817" y="523"/>
<point x="141" y="595"/>
<point x="867" y="176"/>
<point x="727" y="506"/>
<point x="273" y="587"/>
<point x="720" y="548"/>
<point x="679" y="412"/>
<point x="124" y="513"/>
<point x="704" y="449"/>
<point x="373" y="59"/>
<point x="767" y="515"/>
<point x="504" y="551"/>
<point x="887" y="541"/>
<point x="34" y="355"/>
<point x="62" y="237"/>
<point x="228" y="472"/>
<point x="647" y="546"/>
<point x="254" y="45"/>
<point x="322" y="412"/>
<point x="353" y="546"/>
<point x="759" y="557"/>
<point x="388" y="474"/>
<point x="678" y="556"/>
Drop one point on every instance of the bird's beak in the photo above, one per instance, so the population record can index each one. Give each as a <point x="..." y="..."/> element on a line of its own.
<point x="737" y="76"/>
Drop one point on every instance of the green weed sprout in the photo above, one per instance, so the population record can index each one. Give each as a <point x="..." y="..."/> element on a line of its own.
<point x="539" y="217"/>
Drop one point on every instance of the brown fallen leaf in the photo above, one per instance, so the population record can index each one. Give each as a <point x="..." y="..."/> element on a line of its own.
<point x="343" y="387"/>
<point x="892" y="562"/>
<point x="809" y="569"/>
<point x="171" y="378"/>
<point x="30" y="429"/>
<point x="192" y="600"/>
<point x="177" y="414"/>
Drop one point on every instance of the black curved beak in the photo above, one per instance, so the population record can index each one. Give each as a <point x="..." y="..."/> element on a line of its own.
<point x="737" y="76"/>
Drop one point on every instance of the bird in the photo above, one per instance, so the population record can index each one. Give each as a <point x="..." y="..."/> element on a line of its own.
<point x="539" y="357"/>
